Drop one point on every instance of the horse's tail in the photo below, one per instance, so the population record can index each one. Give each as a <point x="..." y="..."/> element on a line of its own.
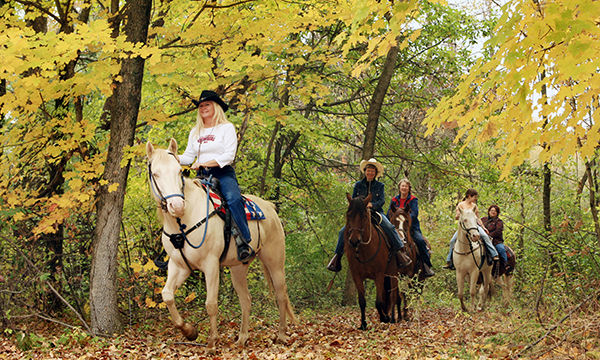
<point x="288" y="305"/>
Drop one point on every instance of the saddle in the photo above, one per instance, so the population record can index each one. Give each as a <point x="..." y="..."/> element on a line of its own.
<point x="376" y="219"/>
<point x="502" y="268"/>
<point x="253" y="212"/>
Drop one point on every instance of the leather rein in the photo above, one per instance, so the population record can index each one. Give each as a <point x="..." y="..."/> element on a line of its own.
<point x="362" y="230"/>
<point x="470" y="242"/>
<point x="179" y="239"/>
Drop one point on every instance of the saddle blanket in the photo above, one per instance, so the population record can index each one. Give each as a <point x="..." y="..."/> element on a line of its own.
<point x="253" y="212"/>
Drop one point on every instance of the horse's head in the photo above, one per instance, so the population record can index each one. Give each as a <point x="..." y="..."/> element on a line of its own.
<point x="166" y="179"/>
<point x="467" y="222"/>
<point x="401" y="220"/>
<point x="356" y="216"/>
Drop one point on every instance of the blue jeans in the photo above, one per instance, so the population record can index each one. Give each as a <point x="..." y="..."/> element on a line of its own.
<point x="387" y="227"/>
<point x="502" y="252"/>
<point x="230" y="190"/>
<point x="423" y="251"/>
<point x="486" y="240"/>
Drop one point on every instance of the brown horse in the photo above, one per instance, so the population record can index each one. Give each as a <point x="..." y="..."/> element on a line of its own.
<point x="183" y="202"/>
<point x="369" y="257"/>
<point x="401" y="220"/>
<point x="503" y="275"/>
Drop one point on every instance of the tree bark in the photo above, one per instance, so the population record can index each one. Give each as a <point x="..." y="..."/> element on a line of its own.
<point x="377" y="101"/>
<point x="123" y="109"/>
<point x="593" y="200"/>
<point x="546" y="198"/>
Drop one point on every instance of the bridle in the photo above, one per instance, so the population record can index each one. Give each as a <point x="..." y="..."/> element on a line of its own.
<point x="470" y="242"/>
<point x="361" y="231"/>
<point x="468" y="231"/>
<point x="162" y="199"/>
<point x="179" y="239"/>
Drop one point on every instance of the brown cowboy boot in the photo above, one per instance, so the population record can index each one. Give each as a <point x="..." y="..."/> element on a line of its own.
<point x="427" y="272"/>
<point x="402" y="258"/>
<point x="335" y="264"/>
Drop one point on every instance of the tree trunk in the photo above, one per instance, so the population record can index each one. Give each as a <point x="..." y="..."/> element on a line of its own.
<point x="377" y="101"/>
<point x="123" y="109"/>
<point x="593" y="201"/>
<point x="546" y="198"/>
<point x="522" y="229"/>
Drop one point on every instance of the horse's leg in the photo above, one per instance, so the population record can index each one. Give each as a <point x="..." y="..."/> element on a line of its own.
<point x="175" y="277"/>
<point x="381" y="303"/>
<point x="487" y="283"/>
<point x="362" y="303"/>
<point x="239" y="278"/>
<point x="509" y="288"/>
<point x="275" y="273"/>
<point x="460" y="284"/>
<point x="473" y="289"/>
<point x="211" y="276"/>
<point x="404" y="301"/>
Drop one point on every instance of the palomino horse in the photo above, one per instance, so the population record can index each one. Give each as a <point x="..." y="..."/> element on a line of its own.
<point x="368" y="257"/>
<point x="469" y="259"/>
<point x="401" y="220"/>
<point x="184" y="202"/>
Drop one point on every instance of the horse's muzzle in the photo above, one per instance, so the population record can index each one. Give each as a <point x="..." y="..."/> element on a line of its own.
<point x="354" y="242"/>
<point x="176" y="206"/>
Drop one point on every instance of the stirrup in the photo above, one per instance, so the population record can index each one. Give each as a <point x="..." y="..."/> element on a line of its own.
<point x="245" y="253"/>
<point x="335" y="264"/>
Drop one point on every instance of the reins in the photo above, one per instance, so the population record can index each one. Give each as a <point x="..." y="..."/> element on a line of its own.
<point x="470" y="242"/>
<point x="179" y="239"/>
<point x="362" y="230"/>
<point x="156" y="190"/>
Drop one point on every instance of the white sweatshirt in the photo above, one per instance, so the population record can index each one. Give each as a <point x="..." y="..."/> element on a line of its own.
<point x="217" y="143"/>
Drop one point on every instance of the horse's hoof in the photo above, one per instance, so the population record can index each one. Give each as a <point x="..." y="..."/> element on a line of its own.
<point x="241" y="342"/>
<point x="281" y="339"/>
<point x="363" y="327"/>
<point x="189" y="331"/>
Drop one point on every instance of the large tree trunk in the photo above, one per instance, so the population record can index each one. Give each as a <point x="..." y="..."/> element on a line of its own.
<point x="377" y="101"/>
<point x="593" y="198"/>
<point x="546" y="198"/>
<point x="123" y="108"/>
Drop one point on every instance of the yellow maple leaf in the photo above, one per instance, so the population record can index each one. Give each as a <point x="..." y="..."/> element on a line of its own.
<point x="112" y="187"/>
<point x="136" y="266"/>
<point x="190" y="297"/>
<point x="150" y="303"/>
<point x="149" y="266"/>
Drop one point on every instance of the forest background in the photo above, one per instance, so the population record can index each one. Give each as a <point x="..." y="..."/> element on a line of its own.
<point x="314" y="87"/>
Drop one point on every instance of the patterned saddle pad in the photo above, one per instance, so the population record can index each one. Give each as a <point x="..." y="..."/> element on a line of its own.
<point x="253" y="211"/>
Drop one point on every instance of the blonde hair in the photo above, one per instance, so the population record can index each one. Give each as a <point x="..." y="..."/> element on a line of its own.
<point x="219" y="117"/>
<point x="405" y="180"/>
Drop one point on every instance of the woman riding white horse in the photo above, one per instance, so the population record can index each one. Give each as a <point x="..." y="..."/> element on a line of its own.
<point x="469" y="258"/>
<point x="194" y="240"/>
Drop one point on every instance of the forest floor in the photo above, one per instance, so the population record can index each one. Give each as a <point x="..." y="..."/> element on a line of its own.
<point x="433" y="333"/>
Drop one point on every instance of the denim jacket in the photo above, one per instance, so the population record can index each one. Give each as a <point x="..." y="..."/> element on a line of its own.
<point x="364" y="188"/>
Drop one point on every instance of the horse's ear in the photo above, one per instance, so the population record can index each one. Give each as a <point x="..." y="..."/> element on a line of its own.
<point x="368" y="199"/>
<point x="173" y="146"/>
<point x="149" y="149"/>
<point x="348" y="197"/>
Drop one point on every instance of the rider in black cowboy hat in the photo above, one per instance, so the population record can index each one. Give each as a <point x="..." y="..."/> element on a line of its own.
<point x="211" y="149"/>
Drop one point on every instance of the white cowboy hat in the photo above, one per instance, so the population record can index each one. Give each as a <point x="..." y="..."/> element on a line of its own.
<point x="371" y="161"/>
